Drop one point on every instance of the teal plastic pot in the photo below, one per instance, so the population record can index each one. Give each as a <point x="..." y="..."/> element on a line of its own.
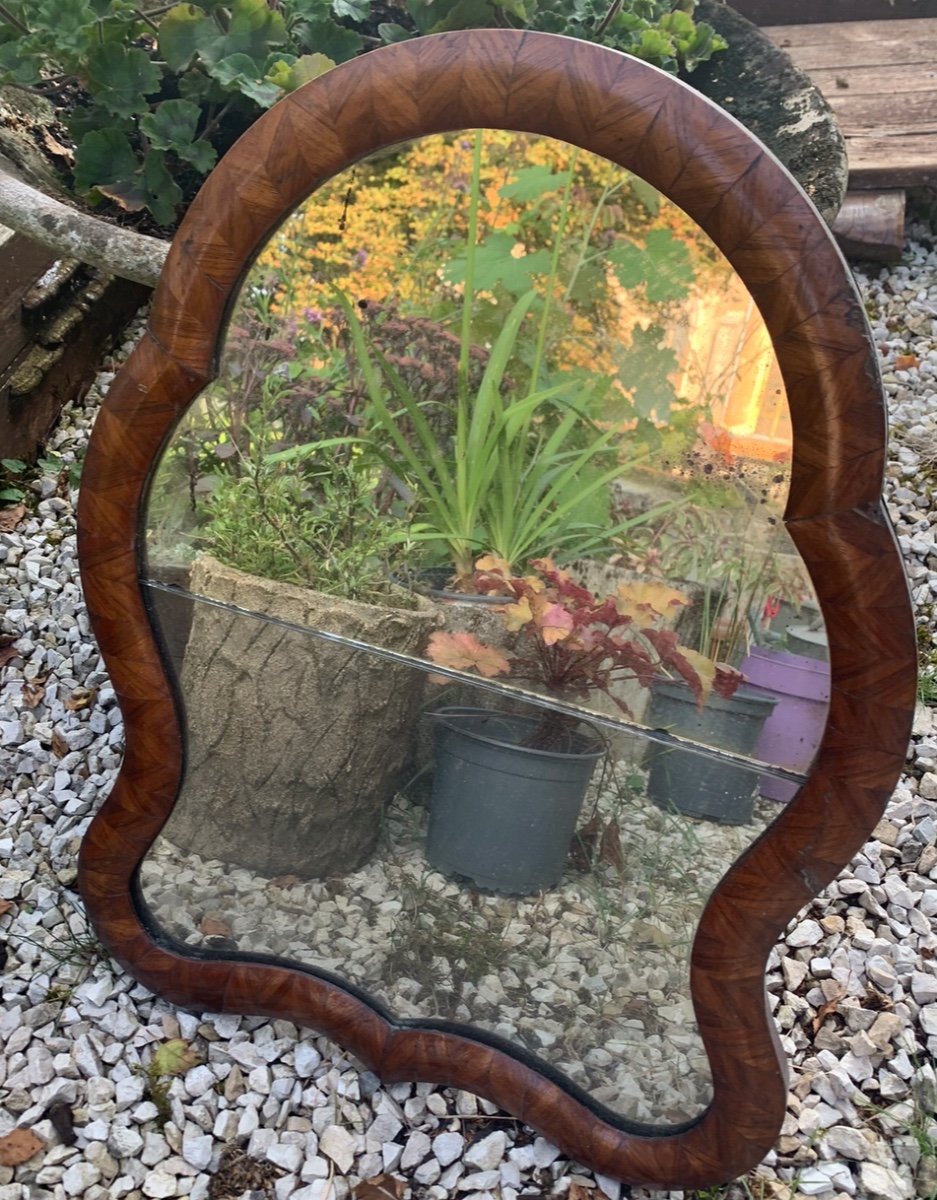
<point x="504" y="813"/>
<point x="690" y="782"/>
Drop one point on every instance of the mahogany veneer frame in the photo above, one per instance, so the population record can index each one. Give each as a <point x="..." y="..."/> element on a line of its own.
<point x="702" y="159"/>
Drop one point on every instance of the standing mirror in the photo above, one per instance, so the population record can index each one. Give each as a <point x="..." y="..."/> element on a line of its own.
<point x="453" y="539"/>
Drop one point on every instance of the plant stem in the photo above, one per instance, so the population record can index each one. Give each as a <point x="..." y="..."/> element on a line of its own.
<point x="463" y="554"/>
<point x="14" y="21"/>
<point x="607" y="191"/>
<point x="610" y="16"/>
<point x="551" y="279"/>
<point x="146" y="19"/>
<point x="468" y="295"/>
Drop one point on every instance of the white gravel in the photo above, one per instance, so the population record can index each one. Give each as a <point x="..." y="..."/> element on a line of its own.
<point x="853" y="987"/>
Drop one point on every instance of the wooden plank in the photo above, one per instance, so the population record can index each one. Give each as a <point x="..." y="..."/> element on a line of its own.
<point x="880" y="79"/>
<point x="874" y="114"/>
<point x="26" y="417"/>
<point x="804" y="12"/>
<point x="859" y="43"/>
<point x="838" y="83"/>
<point x="870" y="225"/>
<point x="891" y="160"/>
<point x="22" y="262"/>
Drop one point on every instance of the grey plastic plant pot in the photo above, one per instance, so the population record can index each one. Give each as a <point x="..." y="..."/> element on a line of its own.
<point x="503" y="814"/>
<point x="690" y="783"/>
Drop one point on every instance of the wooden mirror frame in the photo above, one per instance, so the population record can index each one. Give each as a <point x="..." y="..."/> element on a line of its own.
<point x="650" y="123"/>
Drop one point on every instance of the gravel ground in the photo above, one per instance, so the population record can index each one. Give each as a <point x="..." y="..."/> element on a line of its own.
<point x="264" y="1109"/>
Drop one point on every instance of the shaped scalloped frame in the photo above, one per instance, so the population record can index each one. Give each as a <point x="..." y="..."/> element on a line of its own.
<point x="649" y="123"/>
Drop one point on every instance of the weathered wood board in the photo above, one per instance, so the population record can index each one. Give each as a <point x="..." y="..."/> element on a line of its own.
<point x="804" y="12"/>
<point x="880" y="79"/>
<point x="870" y="225"/>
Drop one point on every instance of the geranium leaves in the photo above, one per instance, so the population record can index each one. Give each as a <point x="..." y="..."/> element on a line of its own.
<point x="161" y="96"/>
<point x="123" y="79"/>
<point x="172" y="125"/>
<point x="180" y="31"/>
<point x="107" y="162"/>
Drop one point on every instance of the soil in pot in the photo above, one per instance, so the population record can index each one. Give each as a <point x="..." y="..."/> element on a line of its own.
<point x="503" y="811"/>
<point x="690" y="782"/>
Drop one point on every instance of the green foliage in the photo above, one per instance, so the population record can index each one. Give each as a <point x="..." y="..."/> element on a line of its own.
<point x="12" y="471"/>
<point x="164" y="90"/>
<point x="512" y="480"/>
<point x="317" y="528"/>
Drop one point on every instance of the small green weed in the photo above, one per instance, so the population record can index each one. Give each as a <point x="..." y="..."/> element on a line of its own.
<point x="172" y="1058"/>
<point x="12" y="481"/>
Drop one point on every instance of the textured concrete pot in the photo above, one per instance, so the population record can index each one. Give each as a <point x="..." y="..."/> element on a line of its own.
<point x="295" y="743"/>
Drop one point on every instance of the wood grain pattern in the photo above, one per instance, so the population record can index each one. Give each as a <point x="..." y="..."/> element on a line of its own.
<point x="870" y="225"/>
<point x="652" y="124"/>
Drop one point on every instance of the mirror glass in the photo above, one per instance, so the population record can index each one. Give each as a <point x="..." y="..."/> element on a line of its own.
<point x="470" y="568"/>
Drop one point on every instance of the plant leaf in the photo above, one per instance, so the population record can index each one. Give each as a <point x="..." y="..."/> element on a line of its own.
<point x="354" y="10"/>
<point x="121" y="79"/>
<point x="464" y="652"/>
<point x="172" y="126"/>
<point x="530" y="183"/>
<point x="554" y="622"/>
<point x="181" y="33"/>
<point x="174" y="1057"/>
<point x="495" y="263"/>
<point x="171" y="123"/>
<point x="104" y="156"/>
<point x="310" y="66"/>
<point x="239" y="73"/>
<point x="639" y="601"/>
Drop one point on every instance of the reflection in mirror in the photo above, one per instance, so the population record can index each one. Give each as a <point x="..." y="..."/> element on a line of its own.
<point x="491" y="403"/>
<point x="588" y="970"/>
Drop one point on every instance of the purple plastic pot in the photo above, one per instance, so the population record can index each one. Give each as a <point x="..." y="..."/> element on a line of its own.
<point x="792" y="733"/>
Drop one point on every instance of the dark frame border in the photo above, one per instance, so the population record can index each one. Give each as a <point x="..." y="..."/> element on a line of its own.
<point x="703" y="160"/>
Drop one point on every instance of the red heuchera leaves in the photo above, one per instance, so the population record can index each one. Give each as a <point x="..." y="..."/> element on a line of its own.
<point x="574" y="642"/>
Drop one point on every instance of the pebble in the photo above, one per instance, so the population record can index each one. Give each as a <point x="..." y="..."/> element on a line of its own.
<point x="338" y="1144"/>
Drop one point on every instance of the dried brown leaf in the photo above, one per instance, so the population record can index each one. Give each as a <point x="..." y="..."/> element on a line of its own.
<point x="578" y="1192"/>
<point x="610" y="850"/>
<point x="824" y="1011"/>
<point x="18" y="1147"/>
<point x="7" y="653"/>
<point x="34" y="690"/>
<point x="212" y="926"/>
<point x="5" y="906"/>
<point x="381" y="1187"/>
<point x="907" y="362"/>
<point x="55" y="147"/>
<point x="585" y="842"/>
<point x="80" y="698"/>
<point x="59" y="744"/>
<point x="10" y="517"/>
<point x="876" y="999"/>
<point x="283" y="881"/>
